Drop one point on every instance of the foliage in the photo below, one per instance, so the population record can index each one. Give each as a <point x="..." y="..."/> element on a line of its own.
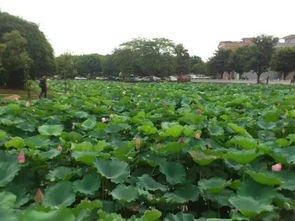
<point x="283" y="60"/>
<point x="36" y="46"/>
<point x="141" y="152"/>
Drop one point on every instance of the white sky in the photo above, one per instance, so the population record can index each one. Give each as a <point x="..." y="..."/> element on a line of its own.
<point x="98" y="26"/>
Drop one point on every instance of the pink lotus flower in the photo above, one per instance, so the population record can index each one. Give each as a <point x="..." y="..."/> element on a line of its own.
<point x="198" y="111"/>
<point x="197" y="135"/>
<point x="103" y="119"/>
<point x="59" y="147"/>
<point x="181" y="140"/>
<point x="39" y="196"/>
<point x="276" y="167"/>
<point x="137" y="142"/>
<point x="21" y="157"/>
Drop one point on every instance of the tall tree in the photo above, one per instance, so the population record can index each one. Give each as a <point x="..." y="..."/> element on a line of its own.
<point x="220" y="62"/>
<point x="88" y="64"/>
<point x="15" y="61"/>
<point x="65" y="67"/>
<point x="283" y="60"/>
<point x="37" y="46"/>
<point x="260" y="54"/>
<point x="182" y="59"/>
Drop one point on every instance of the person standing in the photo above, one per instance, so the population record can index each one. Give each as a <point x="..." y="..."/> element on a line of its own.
<point x="43" y="86"/>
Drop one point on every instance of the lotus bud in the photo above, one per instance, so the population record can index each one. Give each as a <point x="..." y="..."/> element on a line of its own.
<point x="137" y="142"/>
<point x="39" y="196"/>
<point x="276" y="167"/>
<point x="181" y="140"/>
<point x="103" y="119"/>
<point x="59" y="147"/>
<point x="21" y="157"/>
<point x="198" y="111"/>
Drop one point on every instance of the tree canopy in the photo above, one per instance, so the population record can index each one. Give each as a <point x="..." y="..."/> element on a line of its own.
<point x="283" y="60"/>
<point x="33" y="43"/>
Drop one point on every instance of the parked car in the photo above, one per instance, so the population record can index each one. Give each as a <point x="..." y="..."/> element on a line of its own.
<point x="80" y="78"/>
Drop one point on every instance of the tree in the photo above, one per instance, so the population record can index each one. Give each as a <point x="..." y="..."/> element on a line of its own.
<point x="146" y="57"/>
<point x="283" y="60"/>
<point x="37" y="46"/>
<point x="65" y="67"/>
<point x="220" y="62"/>
<point x="240" y="58"/>
<point x="182" y="59"/>
<point x="88" y="64"/>
<point x="261" y="53"/>
<point x="15" y="61"/>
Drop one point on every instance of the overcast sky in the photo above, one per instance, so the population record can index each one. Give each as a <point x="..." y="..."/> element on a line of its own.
<point x="99" y="26"/>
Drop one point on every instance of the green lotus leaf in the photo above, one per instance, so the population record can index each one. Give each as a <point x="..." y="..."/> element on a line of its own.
<point x="148" y="129"/>
<point x="110" y="217"/>
<point x="151" y="215"/>
<point x="16" y="142"/>
<point x="257" y="191"/>
<point x="88" y="185"/>
<point x="7" y="200"/>
<point x="291" y="113"/>
<point x="182" y="194"/>
<point x="174" y="172"/>
<point x="242" y="156"/>
<point x="89" y="124"/>
<point x="60" y="173"/>
<point x="174" y="131"/>
<point x="244" y="142"/>
<point x="35" y="214"/>
<point x="89" y="205"/>
<point x="37" y="141"/>
<point x="148" y="183"/>
<point x="180" y="217"/>
<point x="291" y="138"/>
<point x="26" y="126"/>
<point x="265" y="178"/>
<point x="188" y="192"/>
<point x="9" y="168"/>
<point x="86" y="157"/>
<point x="288" y="178"/>
<point x="116" y="170"/>
<point x="282" y="142"/>
<point x="169" y="148"/>
<point x="3" y="134"/>
<point x="214" y="185"/>
<point x="60" y="194"/>
<point x="85" y="146"/>
<point x="249" y="206"/>
<point x="50" y="154"/>
<point x="215" y="130"/>
<point x="201" y="158"/>
<point x="267" y="125"/>
<point x="51" y="130"/>
<point x="285" y="155"/>
<point x="239" y="129"/>
<point x="125" y="193"/>
<point x="72" y="136"/>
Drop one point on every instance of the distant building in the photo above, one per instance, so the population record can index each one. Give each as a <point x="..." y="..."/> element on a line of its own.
<point x="228" y="45"/>
<point x="288" y="41"/>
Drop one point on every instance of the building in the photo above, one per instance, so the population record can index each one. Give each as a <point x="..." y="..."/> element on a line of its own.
<point x="288" y="41"/>
<point x="228" y="45"/>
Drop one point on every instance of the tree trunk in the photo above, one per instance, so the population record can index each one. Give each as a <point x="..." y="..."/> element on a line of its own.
<point x="258" y="77"/>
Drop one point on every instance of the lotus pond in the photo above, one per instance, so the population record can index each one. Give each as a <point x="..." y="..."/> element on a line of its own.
<point x="149" y="151"/>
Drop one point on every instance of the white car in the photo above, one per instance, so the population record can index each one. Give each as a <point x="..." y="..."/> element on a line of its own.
<point x="80" y="78"/>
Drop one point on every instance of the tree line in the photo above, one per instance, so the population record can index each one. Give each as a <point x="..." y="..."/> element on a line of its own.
<point x="260" y="57"/>
<point x="26" y="54"/>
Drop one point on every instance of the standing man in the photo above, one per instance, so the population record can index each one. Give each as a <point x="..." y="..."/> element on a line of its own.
<point x="43" y="86"/>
